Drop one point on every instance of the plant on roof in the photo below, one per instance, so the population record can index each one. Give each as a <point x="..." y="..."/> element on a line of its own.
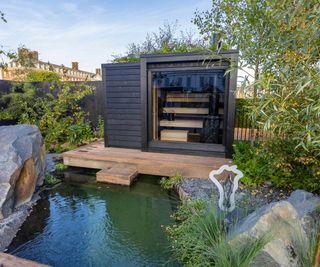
<point x="168" y="39"/>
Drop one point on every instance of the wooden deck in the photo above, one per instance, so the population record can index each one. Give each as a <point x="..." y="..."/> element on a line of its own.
<point x="96" y="156"/>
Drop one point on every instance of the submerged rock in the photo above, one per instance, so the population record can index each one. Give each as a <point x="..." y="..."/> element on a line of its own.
<point x="12" y="261"/>
<point x="22" y="164"/>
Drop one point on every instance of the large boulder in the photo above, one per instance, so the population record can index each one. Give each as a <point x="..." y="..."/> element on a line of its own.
<point x="22" y="165"/>
<point x="285" y="220"/>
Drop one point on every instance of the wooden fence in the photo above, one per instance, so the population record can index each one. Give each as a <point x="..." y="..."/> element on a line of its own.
<point x="244" y="128"/>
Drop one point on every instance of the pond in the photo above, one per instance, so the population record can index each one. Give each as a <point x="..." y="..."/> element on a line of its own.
<point x="89" y="224"/>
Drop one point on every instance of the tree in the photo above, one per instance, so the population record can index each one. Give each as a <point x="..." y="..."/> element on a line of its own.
<point x="168" y="39"/>
<point x="2" y="17"/>
<point x="239" y="24"/>
<point x="3" y="53"/>
<point x="243" y="25"/>
<point x="280" y="41"/>
<point x="42" y="76"/>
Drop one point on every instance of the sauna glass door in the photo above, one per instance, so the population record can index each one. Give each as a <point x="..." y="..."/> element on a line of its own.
<point x="188" y="106"/>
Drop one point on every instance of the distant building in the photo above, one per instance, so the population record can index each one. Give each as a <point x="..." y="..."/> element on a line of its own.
<point x="30" y="60"/>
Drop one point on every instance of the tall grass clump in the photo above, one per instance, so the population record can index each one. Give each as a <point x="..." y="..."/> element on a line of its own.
<point x="201" y="239"/>
<point x="306" y="246"/>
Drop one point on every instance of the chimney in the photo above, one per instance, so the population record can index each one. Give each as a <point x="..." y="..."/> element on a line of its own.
<point x="75" y="65"/>
<point x="35" y="55"/>
<point x="23" y="52"/>
<point x="98" y="72"/>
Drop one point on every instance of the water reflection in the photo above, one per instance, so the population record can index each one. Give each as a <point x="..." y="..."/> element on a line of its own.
<point x="100" y="225"/>
<point x="37" y="222"/>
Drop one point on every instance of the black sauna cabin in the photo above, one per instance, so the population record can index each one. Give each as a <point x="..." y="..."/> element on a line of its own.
<point x="174" y="103"/>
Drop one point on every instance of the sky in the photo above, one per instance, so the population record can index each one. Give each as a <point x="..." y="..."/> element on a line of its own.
<point x="89" y="32"/>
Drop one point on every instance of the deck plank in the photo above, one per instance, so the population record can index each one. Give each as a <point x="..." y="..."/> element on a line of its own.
<point x="96" y="156"/>
<point x="119" y="173"/>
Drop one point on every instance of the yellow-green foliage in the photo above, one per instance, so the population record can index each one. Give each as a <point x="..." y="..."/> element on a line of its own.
<point x="56" y="112"/>
<point x="171" y="182"/>
<point x="60" y="166"/>
<point x="42" y="76"/>
<point x="279" y="41"/>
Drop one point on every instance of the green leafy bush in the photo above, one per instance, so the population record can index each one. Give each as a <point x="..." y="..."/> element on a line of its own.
<point x="80" y="133"/>
<point x="171" y="182"/>
<point x="252" y="162"/>
<point x="55" y="111"/>
<point x="290" y="166"/>
<point x="274" y="161"/>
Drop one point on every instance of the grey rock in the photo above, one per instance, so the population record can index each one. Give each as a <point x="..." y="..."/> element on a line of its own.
<point x="284" y="220"/>
<point x="304" y="202"/>
<point x="6" y="199"/>
<point x="198" y="189"/>
<point x="22" y="163"/>
<point x="307" y="206"/>
<point x="10" y="225"/>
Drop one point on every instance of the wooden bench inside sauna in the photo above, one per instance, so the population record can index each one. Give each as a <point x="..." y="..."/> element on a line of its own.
<point x="186" y="124"/>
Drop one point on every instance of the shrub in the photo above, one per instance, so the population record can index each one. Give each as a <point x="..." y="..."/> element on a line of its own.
<point x="171" y="182"/>
<point x="290" y="166"/>
<point x="56" y="112"/>
<point x="273" y="160"/>
<point x="251" y="162"/>
<point x="79" y="133"/>
<point x="279" y="41"/>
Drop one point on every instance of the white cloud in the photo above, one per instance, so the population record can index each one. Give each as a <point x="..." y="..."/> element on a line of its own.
<point x="90" y="34"/>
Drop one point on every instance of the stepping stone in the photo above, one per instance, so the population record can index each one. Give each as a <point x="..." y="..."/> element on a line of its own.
<point x="120" y="173"/>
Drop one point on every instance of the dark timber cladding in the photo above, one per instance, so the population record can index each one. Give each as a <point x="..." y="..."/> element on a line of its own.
<point x="180" y="103"/>
<point x="123" y="108"/>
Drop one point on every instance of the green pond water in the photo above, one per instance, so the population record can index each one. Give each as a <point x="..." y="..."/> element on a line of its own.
<point x="89" y="224"/>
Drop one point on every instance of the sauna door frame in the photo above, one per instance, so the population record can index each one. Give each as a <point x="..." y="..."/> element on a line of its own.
<point x="181" y="62"/>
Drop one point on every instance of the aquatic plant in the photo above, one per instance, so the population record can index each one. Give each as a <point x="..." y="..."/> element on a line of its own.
<point x="171" y="182"/>
<point x="60" y="166"/>
<point x="51" y="180"/>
